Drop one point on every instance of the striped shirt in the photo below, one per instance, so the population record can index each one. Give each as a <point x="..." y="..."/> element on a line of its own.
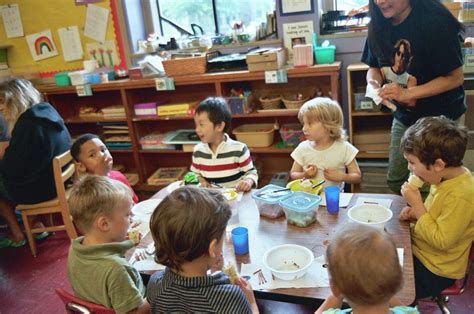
<point x="227" y="166"/>
<point x="169" y="292"/>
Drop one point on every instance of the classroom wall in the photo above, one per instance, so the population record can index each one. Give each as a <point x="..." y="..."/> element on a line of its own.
<point x="38" y="16"/>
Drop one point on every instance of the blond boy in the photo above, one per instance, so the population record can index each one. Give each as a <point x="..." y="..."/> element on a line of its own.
<point x="97" y="269"/>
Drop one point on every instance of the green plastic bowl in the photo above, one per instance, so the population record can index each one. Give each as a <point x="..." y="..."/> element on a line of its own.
<point x="324" y="55"/>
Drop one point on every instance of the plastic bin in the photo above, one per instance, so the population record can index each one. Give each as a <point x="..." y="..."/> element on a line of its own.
<point x="255" y="135"/>
<point x="292" y="134"/>
<point x="324" y="55"/>
<point x="267" y="204"/>
<point x="300" y="208"/>
<point x="62" y="79"/>
<point x="362" y="103"/>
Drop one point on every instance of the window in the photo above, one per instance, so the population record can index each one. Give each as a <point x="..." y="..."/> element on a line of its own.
<point x="347" y="5"/>
<point x="335" y="18"/>
<point x="211" y="17"/>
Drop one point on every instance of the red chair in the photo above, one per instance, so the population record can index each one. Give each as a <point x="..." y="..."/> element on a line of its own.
<point x="75" y="305"/>
<point x="458" y="287"/>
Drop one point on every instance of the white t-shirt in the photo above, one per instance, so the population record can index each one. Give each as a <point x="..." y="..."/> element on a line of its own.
<point x="340" y="154"/>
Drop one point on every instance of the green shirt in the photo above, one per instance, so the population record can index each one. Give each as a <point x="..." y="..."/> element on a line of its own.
<point x="101" y="274"/>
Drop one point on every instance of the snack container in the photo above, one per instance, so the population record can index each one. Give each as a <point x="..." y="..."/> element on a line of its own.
<point x="267" y="204"/>
<point x="300" y="208"/>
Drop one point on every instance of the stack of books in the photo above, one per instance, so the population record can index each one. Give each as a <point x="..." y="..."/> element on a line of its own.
<point x="114" y="112"/>
<point x="116" y="136"/>
<point x="155" y="141"/>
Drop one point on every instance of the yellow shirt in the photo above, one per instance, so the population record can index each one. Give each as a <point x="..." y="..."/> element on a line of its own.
<point x="442" y="237"/>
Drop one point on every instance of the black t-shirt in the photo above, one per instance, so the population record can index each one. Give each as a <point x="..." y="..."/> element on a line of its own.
<point x="436" y="51"/>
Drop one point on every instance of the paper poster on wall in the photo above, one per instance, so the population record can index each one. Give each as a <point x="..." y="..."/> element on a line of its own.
<point x="296" y="34"/>
<point x="96" y="23"/>
<point x="12" y="20"/>
<point x="105" y="53"/>
<point x="70" y="43"/>
<point x="41" y="45"/>
<point x="83" y="2"/>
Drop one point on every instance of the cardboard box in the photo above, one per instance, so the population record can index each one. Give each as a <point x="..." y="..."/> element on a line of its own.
<point x="135" y="73"/>
<point x="266" y="59"/>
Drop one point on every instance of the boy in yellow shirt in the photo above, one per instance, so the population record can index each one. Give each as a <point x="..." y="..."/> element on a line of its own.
<point x="444" y="229"/>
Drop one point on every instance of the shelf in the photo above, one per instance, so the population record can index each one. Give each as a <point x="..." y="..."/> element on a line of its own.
<point x="148" y="187"/>
<point x="162" y="151"/>
<point x="158" y="118"/>
<point x="270" y="150"/>
<point x="270" y="113"/>
<point x="372" y="155"/>
<point x="367" y="113"/>
<point x="119" y="151"/>
<point x="93" y="120"/>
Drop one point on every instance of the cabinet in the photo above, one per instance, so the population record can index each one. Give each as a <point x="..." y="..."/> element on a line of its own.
<point x="369" y="131"/>
<point x="191" y="88"/>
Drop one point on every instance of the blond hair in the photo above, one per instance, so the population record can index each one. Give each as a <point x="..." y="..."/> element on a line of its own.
<point x="93" y="196"/>
<point x="363" y="264"/>
<point x="185" y="223"/>
<point x="18" y="95"/>
<point x="326" y="111"/>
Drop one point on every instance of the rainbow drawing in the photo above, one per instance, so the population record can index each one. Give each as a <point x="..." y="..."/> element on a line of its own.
<point x="43" y="45"/>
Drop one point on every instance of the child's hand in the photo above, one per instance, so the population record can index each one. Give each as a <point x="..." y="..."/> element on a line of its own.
<point x="334" y="175"/>
<point x="310" y="171"/>
<point x="139" y="254"/>
<point x="104" y="165"/>
<point x="412" y="196"/>
<point x="218" y="264"/>
<point x="407" y="214"/>
<point x="244" y="185"/>
<point x="203" y="182"/>
<point x="247" y="290"/>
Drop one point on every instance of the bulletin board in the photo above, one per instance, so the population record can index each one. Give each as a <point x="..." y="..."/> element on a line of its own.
<point x="38" y="16"/>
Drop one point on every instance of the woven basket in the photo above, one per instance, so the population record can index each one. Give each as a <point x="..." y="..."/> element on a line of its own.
<point x="292" y="103"/>
<point x="185" y="66"/>
<point x="270" y="102"/>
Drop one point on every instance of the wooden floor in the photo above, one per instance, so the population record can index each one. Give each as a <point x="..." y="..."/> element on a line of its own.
<point x="27" y="284"/>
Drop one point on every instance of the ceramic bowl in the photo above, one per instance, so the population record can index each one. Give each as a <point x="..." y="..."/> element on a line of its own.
<point x="370" y="215"/>
<point x="288" y="261"/>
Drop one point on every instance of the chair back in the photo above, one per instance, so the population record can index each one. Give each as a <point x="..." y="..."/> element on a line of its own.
<point x="76" y="305"/>
<point x="62" y="175"/>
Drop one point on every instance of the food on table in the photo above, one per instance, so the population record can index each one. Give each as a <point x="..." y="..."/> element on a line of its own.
<point x="134" y="235"/>
<point x="415" y="182"/>
<point x="230" y="271"/>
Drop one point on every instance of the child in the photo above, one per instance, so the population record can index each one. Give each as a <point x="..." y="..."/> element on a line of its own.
<point x="219" y="159"/>
<point x="97" y="269"/>
<point x="325" y="154"/>
<point x="188" y="228"/>
<point x="92" y="156"/>
<point x="364" y="269"/>
<point x="434" y="148"/>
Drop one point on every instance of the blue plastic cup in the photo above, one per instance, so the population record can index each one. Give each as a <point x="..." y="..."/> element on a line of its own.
<point x="332" y="199"/>
<point x="240" y="239"/>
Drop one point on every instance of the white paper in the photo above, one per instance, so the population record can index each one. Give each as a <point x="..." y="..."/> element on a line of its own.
<point x="12" y="20"/>
<point x="41" y="45"/>
<point x="377" y="201"/>
<point x="297" y="33"/>
<point x="372" y="93"/>
<point x="344" y="199"/>
<point x="293" y="6"/>
<point x="316" y="276"/>
<point x="70" y="43"/>
<point x="96" y="22"/>
<point x="104" y="53"/>
<point x="400" y="256"/>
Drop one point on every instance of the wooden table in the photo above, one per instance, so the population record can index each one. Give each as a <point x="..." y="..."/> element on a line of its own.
<point x="266" y="233"/>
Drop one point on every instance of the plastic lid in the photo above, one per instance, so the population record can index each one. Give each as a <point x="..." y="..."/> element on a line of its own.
<point x="300" y="201"/>
<point x="270" y="198"/>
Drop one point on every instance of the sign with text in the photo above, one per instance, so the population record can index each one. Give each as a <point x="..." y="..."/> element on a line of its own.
<point x="164" y="83"/>
<point x="84" y="90"/>
<point x="275" y="77"/>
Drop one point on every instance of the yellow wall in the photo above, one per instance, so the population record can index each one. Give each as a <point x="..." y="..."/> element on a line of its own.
<point x="39" y="15"/>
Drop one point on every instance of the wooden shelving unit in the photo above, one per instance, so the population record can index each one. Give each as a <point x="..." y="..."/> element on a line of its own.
<point x="190" y="88"/>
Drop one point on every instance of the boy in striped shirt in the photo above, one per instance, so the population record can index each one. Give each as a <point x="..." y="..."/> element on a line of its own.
<point x="218" y="159"/>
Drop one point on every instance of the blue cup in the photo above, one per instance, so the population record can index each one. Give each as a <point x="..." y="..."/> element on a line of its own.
<point x="240" y="239"/>
<point x="332" y="199"/>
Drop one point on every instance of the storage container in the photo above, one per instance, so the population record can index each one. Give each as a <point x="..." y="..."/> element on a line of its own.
<point x="300" y="208"/>
<point x="255" y="135"/>
<point x="185" y="66"/>
<point x="267" y="202"/>
<point x="362" y="103"/>
<point x="292" y="134"/>
<point x="79" y="77"/>
<point x="324" y="55"/>
<point x="266" y="59"/>
<point x="145" y="109"/>
<point x="62" y="79"/>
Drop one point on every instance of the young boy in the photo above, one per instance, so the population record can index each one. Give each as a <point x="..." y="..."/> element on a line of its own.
<point x="219" y="159"/>
<point x="444" y="230"/>
<point x="92" y="156"/>
<point x="188" y="228"/>
<point x="97" y="269"/>
<point x="364" y="269"/>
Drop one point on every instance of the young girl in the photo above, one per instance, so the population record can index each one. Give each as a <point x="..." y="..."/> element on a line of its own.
<point x="325" y="154"/>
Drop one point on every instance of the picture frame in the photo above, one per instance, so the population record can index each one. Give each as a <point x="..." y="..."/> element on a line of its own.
<point x="295" y="7"/>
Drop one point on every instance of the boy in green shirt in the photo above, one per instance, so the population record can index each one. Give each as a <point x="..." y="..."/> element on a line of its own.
<point x="97" y="268"/>
<point x="444" y="224"/>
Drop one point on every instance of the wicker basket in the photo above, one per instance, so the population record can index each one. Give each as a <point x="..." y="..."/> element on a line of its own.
<point x="185" y="66"/>
<point x="270" y="102"/>
<point x="291" y="102"/>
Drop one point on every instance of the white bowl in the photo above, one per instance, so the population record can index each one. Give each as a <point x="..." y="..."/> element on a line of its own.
<point x="146" y="208"/>
<point x="288" y="261"/>
<point x="370" y="215"/>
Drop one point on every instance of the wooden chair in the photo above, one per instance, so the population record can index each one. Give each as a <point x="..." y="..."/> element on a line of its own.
<point x="57" y="205"/>
<point x="457" y="288"/>
<point x="75" y="305"/>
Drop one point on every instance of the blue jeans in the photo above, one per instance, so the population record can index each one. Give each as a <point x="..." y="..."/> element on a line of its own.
<point x="397" y="165"/>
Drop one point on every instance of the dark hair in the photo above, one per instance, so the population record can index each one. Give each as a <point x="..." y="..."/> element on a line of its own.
<point x="185" y="222"/>
<point x="76" y="146"/>
<point x="433" y="138"/>
<point x="380" y="28"/>
<point x="217" y="110"/>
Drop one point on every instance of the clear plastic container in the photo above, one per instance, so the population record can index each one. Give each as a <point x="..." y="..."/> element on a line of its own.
<point x="300" y="208"/>
<point x="267" y="202"/>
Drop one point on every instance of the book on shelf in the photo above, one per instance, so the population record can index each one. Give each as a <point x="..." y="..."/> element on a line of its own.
<point x="154" y="141"/>
<point x="166" y="175"/>
<point x="177" y="109"/>
<point x="131" y="177"/>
